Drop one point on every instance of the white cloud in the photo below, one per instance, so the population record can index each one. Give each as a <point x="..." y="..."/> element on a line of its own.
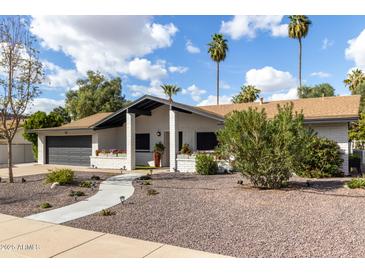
<point x="44" y="104"/>
<point x="104" y="43"/>
<point x="143" y="69"/>
<point x="191" y="48"/>
<point x="153" y="89"/>
<point x="321" y="74"/>
<point x="194" y="92"/>
<point x="212" y="100"/>
<point x="291" y="94"/>
<point x="178" y="69"/>
<point x="269" y="79"/>
<point x="326" y="43"/>
<point x="247" y="25"/>
<point x="356" y="50"/>
<point x="59" y="77"/>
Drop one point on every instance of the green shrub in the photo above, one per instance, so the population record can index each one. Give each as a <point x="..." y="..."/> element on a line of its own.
<point x="107" y="212"/>
<point x="62" y="176"/>
<point x="152" y="192"/>
<point x="264" y="150"/>
<point x="185" y="149"/>
<point x="45" y="205"/>
<point x="86" y="184"/>
<point x="356" y="183"/>
<point x="146" y="183"/>
<point x="323" y="159"/>
<point x="205" y="164"/>
<point x="76" y="193"/>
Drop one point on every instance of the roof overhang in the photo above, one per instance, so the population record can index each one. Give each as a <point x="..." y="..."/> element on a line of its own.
<point x="144" y="106"/>
<point x="331" y="120"/>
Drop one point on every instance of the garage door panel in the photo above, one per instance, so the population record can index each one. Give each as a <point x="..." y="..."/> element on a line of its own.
<point x="69" y="150"/>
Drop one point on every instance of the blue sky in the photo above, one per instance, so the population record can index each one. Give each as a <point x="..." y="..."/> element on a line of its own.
<point x="149" y="51"/>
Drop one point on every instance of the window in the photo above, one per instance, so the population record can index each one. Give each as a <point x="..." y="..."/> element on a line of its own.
<point x="180" y="140"/>
<point x="143" y="141"/>
<point x="206" y="140"/>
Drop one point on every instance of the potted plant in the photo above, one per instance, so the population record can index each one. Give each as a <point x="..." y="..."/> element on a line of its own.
<point x="157" y="153"/>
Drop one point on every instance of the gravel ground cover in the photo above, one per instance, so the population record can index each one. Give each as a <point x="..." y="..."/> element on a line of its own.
<point x="24" y="198"/>
<point x="215" y="214"/>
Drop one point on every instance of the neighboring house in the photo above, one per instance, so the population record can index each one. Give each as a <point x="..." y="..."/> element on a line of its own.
<point x="149" y="120"/>
<point x="22" y="149"/>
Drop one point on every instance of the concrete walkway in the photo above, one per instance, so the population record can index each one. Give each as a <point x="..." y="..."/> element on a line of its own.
<point x="24" y="238"/>
<point x="108" y="195"/>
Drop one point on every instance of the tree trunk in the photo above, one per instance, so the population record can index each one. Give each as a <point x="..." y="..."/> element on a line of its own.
<point x="300" y="62"/>
<point x="10" y="162"/>
<point x="217" y="83"/>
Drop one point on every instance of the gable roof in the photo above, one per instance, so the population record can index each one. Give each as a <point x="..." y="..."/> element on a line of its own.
<point x="83" y="123"/>
<point x="324" y="108"/>
<point x="344" y="108"/>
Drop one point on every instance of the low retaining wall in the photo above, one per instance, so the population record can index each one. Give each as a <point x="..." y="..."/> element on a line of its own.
<point x="108" y="162"/>
<point x="186" y="163"/>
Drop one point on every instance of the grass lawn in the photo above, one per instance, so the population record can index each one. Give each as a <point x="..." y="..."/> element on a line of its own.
<point x="215" y="214"/>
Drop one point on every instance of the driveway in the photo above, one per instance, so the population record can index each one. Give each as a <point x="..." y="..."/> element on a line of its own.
<point x="21" y="170"/>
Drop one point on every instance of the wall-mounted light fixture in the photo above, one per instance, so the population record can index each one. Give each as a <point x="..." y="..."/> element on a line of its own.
<point x="158" y="133"/>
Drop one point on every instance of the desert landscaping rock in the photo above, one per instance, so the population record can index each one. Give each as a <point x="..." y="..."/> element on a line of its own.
<point x="23" y="199"/>
<point x="215" y="214"/>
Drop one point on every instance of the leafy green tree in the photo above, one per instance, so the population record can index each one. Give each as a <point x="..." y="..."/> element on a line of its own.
<point x="170" y="90"/>
<point x="319" y="90"/>
<point x="218" y="50"/>
<point x="95" y="94"/>
<point x="298" y="29"/>
<point x="265" y="151"/>
<point x="357" y="132"/>
<point x="62" y="114"/>
<point x="247" y="94"/>
<point x="38" y="120"/>
<point x="354" y="79"/>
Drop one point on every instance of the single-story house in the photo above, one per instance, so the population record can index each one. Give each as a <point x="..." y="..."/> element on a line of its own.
<point x="21" y="149"/>
<point x="133" y="131"/>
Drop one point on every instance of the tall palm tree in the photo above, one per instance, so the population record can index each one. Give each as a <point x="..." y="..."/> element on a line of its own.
<point x="218" y="50"/>
<point x="354" y="79"/>
<point x="170" y="90"/>
<point x="298" y="29"/>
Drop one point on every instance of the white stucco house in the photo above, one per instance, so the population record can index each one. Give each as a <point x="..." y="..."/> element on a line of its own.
<point x="132" y="132"/>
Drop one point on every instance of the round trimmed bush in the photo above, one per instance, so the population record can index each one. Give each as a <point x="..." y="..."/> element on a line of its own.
<point x="205" y="164"/>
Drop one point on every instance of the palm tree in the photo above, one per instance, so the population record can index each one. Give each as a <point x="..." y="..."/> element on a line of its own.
<point x="247" y="94"/>
<point x="170" y="90"/>
<point x="218" y="50"/>
<point x="298" y="29"/>
<point x="354" y="79"/>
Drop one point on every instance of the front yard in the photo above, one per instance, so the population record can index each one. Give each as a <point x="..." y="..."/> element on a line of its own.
<point x="215" y="214"/>
<point x="24" y="198"/>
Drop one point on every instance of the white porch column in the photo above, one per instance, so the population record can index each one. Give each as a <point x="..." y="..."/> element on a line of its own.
<point x="173" y="139"/>
<point x="130" y="141"/>
<point x="95" y="143"/>
<point x="41" y="149"/>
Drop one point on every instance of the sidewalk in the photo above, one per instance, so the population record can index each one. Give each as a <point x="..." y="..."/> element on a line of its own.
<point x="24" y="238"/>
<point x="108" y="195"/>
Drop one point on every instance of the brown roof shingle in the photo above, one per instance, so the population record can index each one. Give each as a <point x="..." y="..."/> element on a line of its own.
<point x="313" y="108"/>
<point x="86" y="122"/>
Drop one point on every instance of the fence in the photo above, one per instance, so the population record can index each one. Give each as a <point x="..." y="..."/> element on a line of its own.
<point x="22" y="153"/>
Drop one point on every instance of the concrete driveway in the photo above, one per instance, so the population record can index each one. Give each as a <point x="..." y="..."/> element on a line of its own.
<point x="23" y="238"/>
<point x="21" y="170"/>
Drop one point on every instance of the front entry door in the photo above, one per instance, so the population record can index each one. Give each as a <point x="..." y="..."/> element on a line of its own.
<point x="166" y="154"/>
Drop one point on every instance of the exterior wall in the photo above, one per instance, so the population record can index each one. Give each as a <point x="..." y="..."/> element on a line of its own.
<point x="22" y="153"/>
<point x="18" y="138"/>
<point x="189" y="124"/>
<point x="112" y="138"/>
<point x="108" y="162"/>
<point x="339" y="134"/>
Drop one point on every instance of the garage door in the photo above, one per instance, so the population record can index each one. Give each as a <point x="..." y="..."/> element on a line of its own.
<point x="69" y="150"/>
